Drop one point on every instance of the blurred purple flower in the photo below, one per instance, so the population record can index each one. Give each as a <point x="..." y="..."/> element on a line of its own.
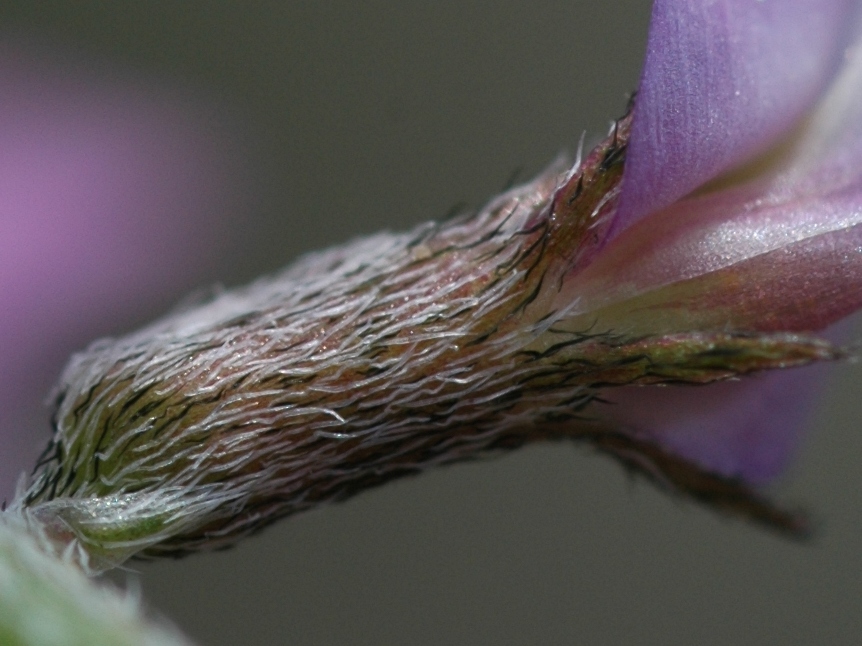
<point x="112" y="191"/>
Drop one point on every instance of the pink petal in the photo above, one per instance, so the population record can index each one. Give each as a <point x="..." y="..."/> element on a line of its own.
<point x="722" y="81"/>
<point x="728" y="261"/>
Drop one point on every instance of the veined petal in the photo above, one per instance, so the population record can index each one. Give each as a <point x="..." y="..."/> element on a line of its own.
<point x="776" y="245"/>
<point x="722" y="81"/>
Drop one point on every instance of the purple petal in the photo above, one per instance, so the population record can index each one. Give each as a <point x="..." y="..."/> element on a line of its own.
<point x="745" y="429"/>
<point x="776" y="249"/>
<point x="748" y="429"/>
<point x="722" y="81"/>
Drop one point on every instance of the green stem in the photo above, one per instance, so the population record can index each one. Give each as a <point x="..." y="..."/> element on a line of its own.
<point x="48" y="601"/>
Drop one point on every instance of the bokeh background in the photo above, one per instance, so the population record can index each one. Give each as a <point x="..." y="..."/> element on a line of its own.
<point x="332" y="119"/>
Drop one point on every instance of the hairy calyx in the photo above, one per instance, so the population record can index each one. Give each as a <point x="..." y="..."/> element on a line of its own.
<point x="365" y="362"/>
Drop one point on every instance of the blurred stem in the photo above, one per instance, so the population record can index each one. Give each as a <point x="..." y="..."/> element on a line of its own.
<point x="46" y="601"/>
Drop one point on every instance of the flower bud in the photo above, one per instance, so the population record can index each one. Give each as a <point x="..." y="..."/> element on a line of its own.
<point x="367" y="362"/>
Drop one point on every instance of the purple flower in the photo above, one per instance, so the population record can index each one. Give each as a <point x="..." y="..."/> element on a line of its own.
<point x="740" y="209"/>
<point x="706" y="239"/>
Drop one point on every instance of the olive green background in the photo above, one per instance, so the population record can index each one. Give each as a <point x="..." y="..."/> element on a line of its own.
<point x="367" y="115"/>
